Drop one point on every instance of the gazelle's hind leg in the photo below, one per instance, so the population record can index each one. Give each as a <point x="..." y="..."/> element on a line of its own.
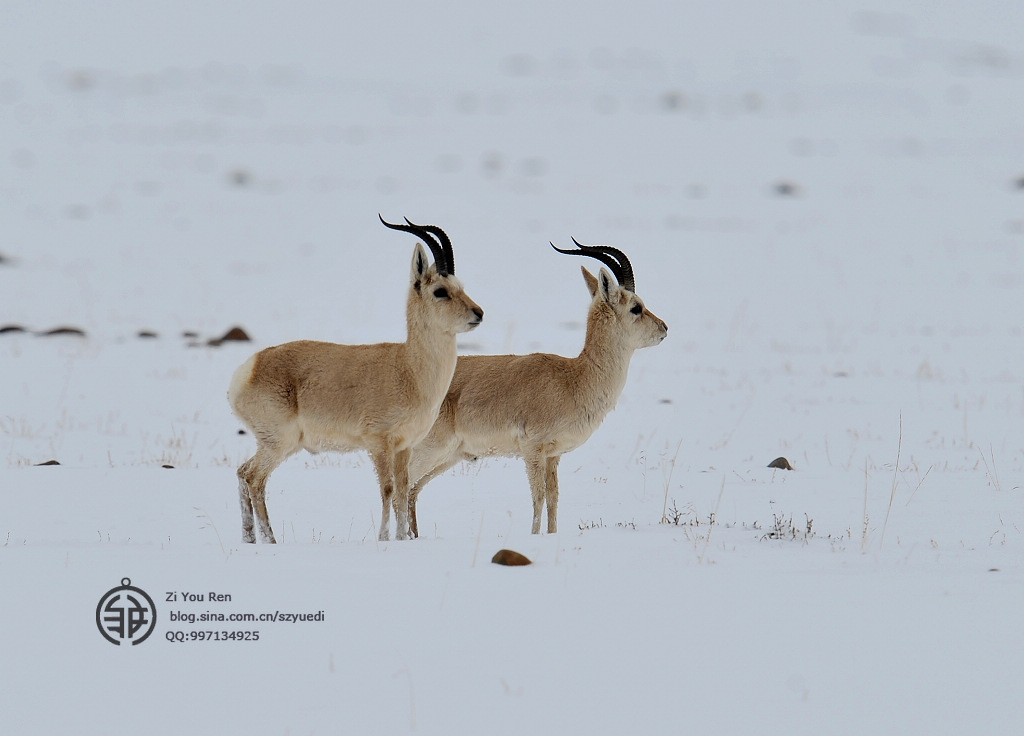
<point x="248" y="534"/>
<point x="551" y="492"/>
<point x="252" y="486"/>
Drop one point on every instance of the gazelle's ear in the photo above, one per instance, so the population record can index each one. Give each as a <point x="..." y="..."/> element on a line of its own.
<point x="420" y="264"/>
<point x="591" y="281"/>
<point x="606" y="285"/>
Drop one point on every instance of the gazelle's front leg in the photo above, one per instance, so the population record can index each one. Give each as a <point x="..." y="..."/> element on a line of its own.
<point x="535" y="472"/>
<point x="383" y="464"/>
<point x="551" y="492"/>
<point x="414" y="491"/>
<point x="400" y="499"/>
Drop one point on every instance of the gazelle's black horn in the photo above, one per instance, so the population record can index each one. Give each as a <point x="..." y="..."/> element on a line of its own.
<point x="446" y="244"/>
<point x="626" y="273"/>
<point x="614" y="258"/>
<point x="440" y="257"/>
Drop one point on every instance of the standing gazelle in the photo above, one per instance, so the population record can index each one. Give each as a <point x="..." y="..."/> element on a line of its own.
<point x="540" y="406"/>
<point x="382" y="398"/>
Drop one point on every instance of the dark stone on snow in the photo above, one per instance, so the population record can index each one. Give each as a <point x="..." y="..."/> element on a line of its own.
<point x="57" y="331"/>
<point x="786" y="189"/>
<point x="780" y="463"/>
<point x="509" y="557"/>
<point x="235" y="334"/>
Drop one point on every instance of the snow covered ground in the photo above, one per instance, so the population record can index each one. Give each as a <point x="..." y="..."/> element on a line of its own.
<point x="825" y="202"/>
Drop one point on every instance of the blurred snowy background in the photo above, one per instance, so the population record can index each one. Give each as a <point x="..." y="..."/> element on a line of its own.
<point x="824" y="201"/>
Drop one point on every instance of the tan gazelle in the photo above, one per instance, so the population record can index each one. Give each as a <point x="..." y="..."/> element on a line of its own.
<point x="540" y="406"/>
<point x="382" y="398"/>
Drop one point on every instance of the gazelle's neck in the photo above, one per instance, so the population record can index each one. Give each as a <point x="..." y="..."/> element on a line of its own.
<point x="431" y="354"/>
<point x="604" y="359"/>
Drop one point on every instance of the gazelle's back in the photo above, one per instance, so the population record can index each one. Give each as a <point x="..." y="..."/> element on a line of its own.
<point x="335" y="395"/>
<point x="504" y="404"/>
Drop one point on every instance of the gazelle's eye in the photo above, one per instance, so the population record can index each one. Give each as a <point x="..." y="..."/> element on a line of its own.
<point x="637" y="309"/>
<point x="441" y="293"/>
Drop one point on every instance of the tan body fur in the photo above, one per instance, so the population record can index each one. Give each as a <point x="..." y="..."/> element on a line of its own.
<point x="382" y="398"/>
<point x="538" y="406"/>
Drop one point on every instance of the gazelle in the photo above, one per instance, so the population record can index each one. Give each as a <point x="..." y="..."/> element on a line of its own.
<point x="540" y="406"/>
<point x="382" y="398"/>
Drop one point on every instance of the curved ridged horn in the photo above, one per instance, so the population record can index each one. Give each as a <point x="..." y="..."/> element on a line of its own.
<point x="440" y="256"/>
<point x="446" y="243"/>
<point x="614" y="258"/>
